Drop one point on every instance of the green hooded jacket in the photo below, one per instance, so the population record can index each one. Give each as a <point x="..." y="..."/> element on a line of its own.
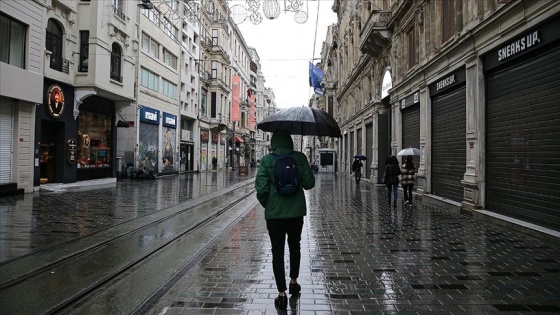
<point x="277" y="206"/>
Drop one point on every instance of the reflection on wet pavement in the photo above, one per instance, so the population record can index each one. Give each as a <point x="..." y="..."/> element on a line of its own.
<point x="40" y="220"/>
<point x="361" y="256"/>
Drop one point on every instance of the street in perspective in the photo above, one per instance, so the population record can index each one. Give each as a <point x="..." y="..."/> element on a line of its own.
<point x="167" y="157"/>
<point x="197" y="244"/>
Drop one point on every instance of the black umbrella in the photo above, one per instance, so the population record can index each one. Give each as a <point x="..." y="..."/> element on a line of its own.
<point x="303" y="120"/>
<point x="360" y="157"/>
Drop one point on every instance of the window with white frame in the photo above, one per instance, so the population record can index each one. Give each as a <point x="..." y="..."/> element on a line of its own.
<point x="172" y="4"/>
<point x="118" y="8"/>
<point x="152" y="15"/>
<point x="149" y="79"/>
<point x="169" y="29"/>
<point x="12" y="37"/>
<point x="169" y="89"/>
<point x="150" y="46"/>
<point x="214" y="37"/>
<point x="169" y="59"/>
<point x="116" y="62"/>
<point x="214" y="72"/>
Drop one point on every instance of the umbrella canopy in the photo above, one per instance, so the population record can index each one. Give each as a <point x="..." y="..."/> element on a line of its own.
<point x="303" y="120"/>
<point x="409" y="151"/>
<point x="360" y="157"/>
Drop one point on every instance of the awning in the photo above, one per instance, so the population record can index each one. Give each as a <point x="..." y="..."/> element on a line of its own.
<point x="238" y="139"/>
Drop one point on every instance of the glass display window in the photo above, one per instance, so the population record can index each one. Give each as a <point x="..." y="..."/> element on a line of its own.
<point x="94" y="140"/>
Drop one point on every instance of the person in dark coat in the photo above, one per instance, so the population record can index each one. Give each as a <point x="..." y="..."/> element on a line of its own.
<point x="357" y="169"/>
<point x="407" y="182"/>
<point x="391" y="178"/>
<point x="284" y="213"/>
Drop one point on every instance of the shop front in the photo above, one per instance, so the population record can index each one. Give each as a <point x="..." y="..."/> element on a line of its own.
<point x="204" y="139"/>
<point x="522" y="126"/>
<point x="169" y="140"/>
<point x="410" y="111"/>
<point x="6" y="132"/>
<point x="449" y="152"/>
<point x="95" y="139"/>
<point x="368" y="122"/>
<point x="55" y="128"/>
<point x="148" y="137"/>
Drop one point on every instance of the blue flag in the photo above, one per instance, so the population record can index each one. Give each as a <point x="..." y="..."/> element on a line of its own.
<point x="315" y="77"/>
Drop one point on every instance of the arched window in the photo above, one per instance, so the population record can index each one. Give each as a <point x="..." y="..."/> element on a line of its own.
<point x="116" y="57"/>
<point x="54" y="44"/>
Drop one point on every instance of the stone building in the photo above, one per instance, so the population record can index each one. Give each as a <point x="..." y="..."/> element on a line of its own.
<point x="473" y="84"/>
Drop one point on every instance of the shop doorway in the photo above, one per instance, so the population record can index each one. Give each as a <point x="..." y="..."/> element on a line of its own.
<point x="51" y="159"/>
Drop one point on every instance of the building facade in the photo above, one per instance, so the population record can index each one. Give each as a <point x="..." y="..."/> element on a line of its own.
<point x="471" y="84"/>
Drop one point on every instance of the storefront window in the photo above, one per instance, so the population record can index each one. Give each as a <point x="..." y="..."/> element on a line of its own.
<point x="94" y="140"/>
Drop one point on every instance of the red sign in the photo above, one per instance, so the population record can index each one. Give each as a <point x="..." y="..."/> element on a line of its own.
<point x="235" y="95"/>
<point x="214" y="138"/>
<point x="55" y="100"/>
<point x="252" y="110"/>
<point x="204" y="135"/>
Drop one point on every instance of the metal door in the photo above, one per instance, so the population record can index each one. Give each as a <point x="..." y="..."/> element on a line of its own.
<point x="523" y="140"/>
<point x="449" y="144"/>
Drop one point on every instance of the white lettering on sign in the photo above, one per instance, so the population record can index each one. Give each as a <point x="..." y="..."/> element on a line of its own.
<point x="170" y="120"/>
<point x="519" y="45"/>
<point x="150" y="116"/>
<point x="445" y="82"/>
<point x="416" y="97"/>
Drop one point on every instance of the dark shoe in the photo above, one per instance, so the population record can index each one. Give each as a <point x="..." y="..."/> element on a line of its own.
<point x="395" y="204"/>
<point x="281" y="302"/>
<point x="295" y="288"/>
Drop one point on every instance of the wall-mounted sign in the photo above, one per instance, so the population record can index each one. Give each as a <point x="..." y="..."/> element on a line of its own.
<point x="169" y="120"/>
<point x="204" y="135"/>
<point x="526" y="42"/>
<point x="386" y="84"/>
<point x="55" y="100"/>
<point x="410" y="100"/>
<point x="450" y="81"/>
<point x="71" y="149"/>
<point x="149" y="115"/>
<point x="214" y="138"/>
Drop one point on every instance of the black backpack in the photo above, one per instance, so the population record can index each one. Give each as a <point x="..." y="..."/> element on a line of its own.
<point x="286" y="174"/>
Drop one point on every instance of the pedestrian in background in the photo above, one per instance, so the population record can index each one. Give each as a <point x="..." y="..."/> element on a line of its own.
<point x="407" y="182"/>
<point x="284" y="213"/>
<point x="391" y="178"/>
<point x="357" y="169"/>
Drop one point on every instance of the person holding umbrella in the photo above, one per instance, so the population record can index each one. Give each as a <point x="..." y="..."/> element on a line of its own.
<point x="357" y="169"/>
<point x="284" y="213"/>
<point x="391" y="178"/>
<point x="408" y="171"/>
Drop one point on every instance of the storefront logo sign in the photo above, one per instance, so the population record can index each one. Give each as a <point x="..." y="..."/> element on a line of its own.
<point x="169" y="120"/>
<point x="519" y="45"/>
<point x="72" y="147"/>
<point x="150" y="116"/>
<point x="410" y="100"/>
<point x="445" y="82"/>
<point x="55" y="100"/>
<point x="386" y="84"/>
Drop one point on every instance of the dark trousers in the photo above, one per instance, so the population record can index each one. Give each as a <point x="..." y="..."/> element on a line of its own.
<point x="408" y="192"/>
<point x="277" y="230"/>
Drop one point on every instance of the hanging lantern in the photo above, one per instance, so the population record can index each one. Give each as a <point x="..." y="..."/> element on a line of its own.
<point x="271" y="9"/>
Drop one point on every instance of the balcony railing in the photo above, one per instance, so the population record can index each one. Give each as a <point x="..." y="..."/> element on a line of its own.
<point x="376" y="32"/>
<point x="59" y="64"/>
<point x="116" y="76"/>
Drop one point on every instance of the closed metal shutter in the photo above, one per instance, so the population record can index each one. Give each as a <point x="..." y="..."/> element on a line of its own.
<point x="369" y="149"/>
<point x="351" y="153"/>
<point x="359" y="149"/>
<point x="523" y="140"/>
<point x="449" y="144"/>
<point x="6" y="132"/>
<point x="411" y="133"/>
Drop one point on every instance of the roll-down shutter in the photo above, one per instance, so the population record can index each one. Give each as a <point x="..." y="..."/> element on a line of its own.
<point x="411" y="133"/>
<point x="6" y="131"/>
<point x="449" y="144"/>
<point x="369" y="149"/>
<point x="523" y="140"/>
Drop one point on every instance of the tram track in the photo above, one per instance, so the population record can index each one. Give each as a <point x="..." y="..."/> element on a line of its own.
<point x="91" y="265"/>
